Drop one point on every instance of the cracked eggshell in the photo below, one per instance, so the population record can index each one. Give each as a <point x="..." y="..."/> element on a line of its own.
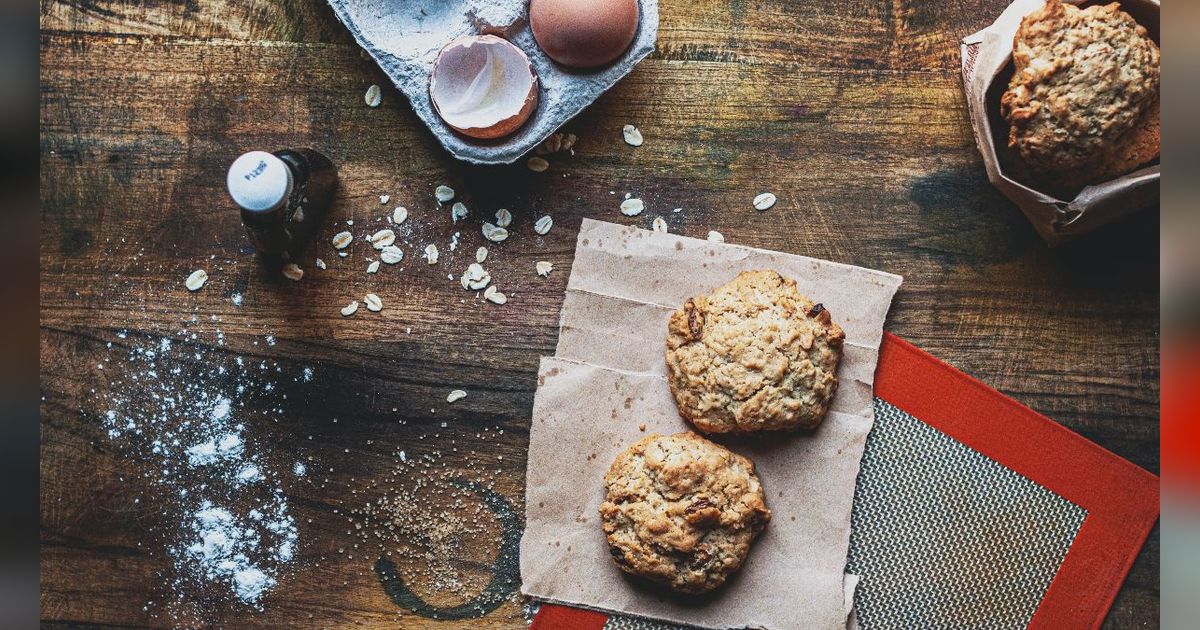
<point x="483" y="86"/>
<point x="404" y="38"/>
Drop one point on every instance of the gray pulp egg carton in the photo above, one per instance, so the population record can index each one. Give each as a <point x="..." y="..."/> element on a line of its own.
<point x="404" y="38"/>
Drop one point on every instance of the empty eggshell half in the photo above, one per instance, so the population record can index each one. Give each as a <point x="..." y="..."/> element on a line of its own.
<point x="483" y="86"/>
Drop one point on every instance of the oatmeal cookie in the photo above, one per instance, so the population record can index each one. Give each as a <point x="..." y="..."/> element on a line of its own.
<point x="682" y="511"/>
<point x="1084" y="78"/>
<point x="753" y="355"/>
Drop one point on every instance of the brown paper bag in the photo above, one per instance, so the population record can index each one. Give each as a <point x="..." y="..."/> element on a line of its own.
<point x="986" y="57"/>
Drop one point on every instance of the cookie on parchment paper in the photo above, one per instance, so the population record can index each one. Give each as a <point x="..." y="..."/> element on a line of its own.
<point x="753" y="355"/>
<point x="1082" y="102"/>
<point x="682" y="511"/>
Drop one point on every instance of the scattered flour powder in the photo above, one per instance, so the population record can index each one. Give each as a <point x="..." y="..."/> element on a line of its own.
<point x="183" y="416"/>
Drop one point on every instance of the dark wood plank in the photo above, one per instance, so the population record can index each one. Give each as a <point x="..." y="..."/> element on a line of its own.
<point x="850" y="112"/>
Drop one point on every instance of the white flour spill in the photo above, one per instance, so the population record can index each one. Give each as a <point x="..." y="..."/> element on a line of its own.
<point x="188" y="419"/>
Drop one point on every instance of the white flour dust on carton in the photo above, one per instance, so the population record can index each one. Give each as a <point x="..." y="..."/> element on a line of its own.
<point x="182" y="415"/>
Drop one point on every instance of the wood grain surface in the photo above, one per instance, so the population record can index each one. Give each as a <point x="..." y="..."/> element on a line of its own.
<point x="851" y="112"/>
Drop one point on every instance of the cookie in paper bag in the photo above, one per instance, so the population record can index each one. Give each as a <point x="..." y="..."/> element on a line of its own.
<point x="753" y="355"/>
<point x="1082" y="104"/>
<point x="682" y="511"/>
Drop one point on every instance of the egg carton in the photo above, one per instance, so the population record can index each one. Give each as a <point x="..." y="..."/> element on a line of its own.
<point x="404" y="38"/>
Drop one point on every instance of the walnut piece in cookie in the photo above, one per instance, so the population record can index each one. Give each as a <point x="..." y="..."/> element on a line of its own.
<point x="1083" y="79"/>
<point x="754" y="355"/>
<point x="682" y="511"/>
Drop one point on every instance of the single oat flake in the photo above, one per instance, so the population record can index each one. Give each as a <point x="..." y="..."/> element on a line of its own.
<point x="538" y="164"/>
<point x="632" y="207"/>
<point x="503" y="217"/>
<point x="373" y="267"/>
<point x="374" y="304"/>
<point x="481" y="254"/>
<point x="431" y="254"/>
<point x="443" y="193"/>
<point x="342" y="240"/>
<point x="716" y="236"/>
<point x="458" y="211"/>
<point x="494" y="296"/>
<point x="383" y="238"/>
<point x="633" y="137"/>
<point x="659" y="225"/>
<point x="543" y="225"/>
<point x="320" y="264"/>
<point x="350" y="309"/>
<point x="764" y="201"/>
<point x="391" y="254"/>
<point x="196" y="280"/>
<point x="456" y="395"/>
<point x="493" y="233"/>
<point x="374" y="96"/>
<point x="383" y="199"/>
<point x="399" y="215"/>
<point x="293" y="272"/>
<point x="544" y="268"/>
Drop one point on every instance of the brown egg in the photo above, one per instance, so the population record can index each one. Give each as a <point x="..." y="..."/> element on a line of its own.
<point x="583" y="33"/>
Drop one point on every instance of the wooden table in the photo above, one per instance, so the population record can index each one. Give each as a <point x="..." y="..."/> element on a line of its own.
<point x="851" y="112"/>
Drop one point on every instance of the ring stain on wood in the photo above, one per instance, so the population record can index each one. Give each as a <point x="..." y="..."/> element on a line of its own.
<point x="505" y="570"/>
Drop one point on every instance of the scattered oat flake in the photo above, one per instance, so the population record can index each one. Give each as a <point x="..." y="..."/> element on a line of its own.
<point x="399" y="215"/>
<point x="764" y="201"/>
<point x="456" y="395"/>
<point x="538" y="164"/>
<point x="431" y="254"/>
<point x="632" y="207"/>
<point x="633" y="137"/>
<point x="659" y="225"/>
<point x="374" y="304"/>
<point x="544" y="268"/>
<point x="443" y="193"/>
<point x="494" y="296"/>
<point x="391" y="254"/>
<point x="475" y="277"/>
<point x="383" y="238"/>
<point x="196" y="280"/>
<point x="350" y="309"/>
<point x="373" y="267"/>
<point x="716" y="236"/>
<point x="383" y="199"/>
<point x="493" y="233"/>
<point x="342" y="240"/>
<point x="481" y="254"/>
<point x="503" y="217"/>
<point x="458" y="211"/>
<point x="320" y="264"/>
<point x="293" y="272"/>
<point x="543" y="225"/>
<point x="557" y="142"/>
<point x="374" y="96"/>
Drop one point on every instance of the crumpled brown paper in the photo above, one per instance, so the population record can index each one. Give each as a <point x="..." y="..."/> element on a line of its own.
<point x="608" y="378"/>
<point x="985" y="57"/>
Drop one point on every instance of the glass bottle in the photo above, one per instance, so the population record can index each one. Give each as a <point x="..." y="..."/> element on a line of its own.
<point x="284" y="197"/>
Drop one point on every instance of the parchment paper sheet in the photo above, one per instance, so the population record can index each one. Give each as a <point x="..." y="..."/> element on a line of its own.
<point x="984" y="56"/>
<point x="608" y="377"/>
